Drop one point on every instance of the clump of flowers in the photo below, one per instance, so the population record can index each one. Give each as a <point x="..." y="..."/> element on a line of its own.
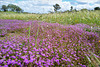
<point x="41" y="44"/>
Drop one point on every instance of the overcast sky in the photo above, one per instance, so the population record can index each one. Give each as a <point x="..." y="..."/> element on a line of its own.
<point x="44" y="6"/>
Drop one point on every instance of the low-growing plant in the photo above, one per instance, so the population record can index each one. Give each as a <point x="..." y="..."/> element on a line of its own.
<point x="41" y="44"/>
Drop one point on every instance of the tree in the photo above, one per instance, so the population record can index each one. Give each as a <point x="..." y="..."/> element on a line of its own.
<point x="18" y="9"/>
<point x="84" y="9"/>
<point x="56" y="7"/>
<point x="0" y="9"/>
<point x="71" y="8"/>
<point x="4" y="8"/>
<point x="96" y="8"/>
<point x="22" y="11"/>
<point x="75" y="10"/>
<point x="13" y="8"/>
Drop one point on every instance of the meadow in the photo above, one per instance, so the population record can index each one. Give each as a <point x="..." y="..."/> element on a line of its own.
<point x="86" y="17"/>
<point x="70" y="39"/>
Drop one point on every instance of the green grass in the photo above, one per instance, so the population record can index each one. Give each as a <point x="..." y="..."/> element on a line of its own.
<point x="86" y="17"/>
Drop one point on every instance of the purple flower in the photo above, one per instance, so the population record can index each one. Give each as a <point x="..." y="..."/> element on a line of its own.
<point x="30" y="52"/>
<point x="23" y="57"/>
<point x="6" y="66"/>
<point x="64" y="59"/>
<point x="68" y="60"/>
<point x="57" y="60"/>
<point x="75" y="58"/>
<point x="49" y="47"/>
<point x="33" y="44"/>
<point x="26" y="61"/>
<point x="32" y="59"/>
<point x="1" y="60"/>
<point x="13" y="57"/>
<point x="42" y="54"/>
<point x="83" y="65"/>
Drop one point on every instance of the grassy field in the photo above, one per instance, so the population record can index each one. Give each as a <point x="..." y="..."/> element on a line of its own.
<point x="50" y="40"/>
<point x="86" y="17"/>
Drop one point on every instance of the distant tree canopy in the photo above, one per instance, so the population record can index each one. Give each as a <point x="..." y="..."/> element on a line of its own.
<point x="97" y="8"/>
<point x="84" y="9"/>
<point x="14" y="8"/>
<point x="56" y="7"/>
<point x="4" y="8"/>
<point x="11" y="7"/>
<point x="71" y="8"/>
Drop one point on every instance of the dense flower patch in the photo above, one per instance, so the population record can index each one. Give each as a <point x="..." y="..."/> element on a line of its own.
<point x="40" y="44"/>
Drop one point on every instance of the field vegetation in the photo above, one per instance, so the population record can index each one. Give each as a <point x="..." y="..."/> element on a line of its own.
<point x="70" y="39"/>
<point x="86" y="17"/>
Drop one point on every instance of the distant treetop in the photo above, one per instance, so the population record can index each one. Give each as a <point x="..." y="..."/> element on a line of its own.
<point x="97" y="8"/>
<point x="56" y="7"/>
<point x="11" y="7"/>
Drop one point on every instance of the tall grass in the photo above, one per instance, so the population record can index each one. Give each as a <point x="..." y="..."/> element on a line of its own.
<point x="87" y="17"/>
<point x="29" y="36"/>
<point x="36" y="36"/>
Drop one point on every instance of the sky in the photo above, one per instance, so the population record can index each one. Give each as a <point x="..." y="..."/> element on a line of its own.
<point x="44" y="6"/>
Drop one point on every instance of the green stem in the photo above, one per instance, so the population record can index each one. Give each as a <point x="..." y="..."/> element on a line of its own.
<point x="36" y="37"/>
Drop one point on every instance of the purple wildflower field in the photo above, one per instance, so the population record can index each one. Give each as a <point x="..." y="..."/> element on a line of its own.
<point x="41" y="44"/>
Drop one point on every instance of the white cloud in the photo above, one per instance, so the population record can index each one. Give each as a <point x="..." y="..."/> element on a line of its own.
<point x="42" y="6"/>
<point x="87" y="6"/>
<point x="65" y="6"/>
<point x="42" y="0"/>
<point x="7" y="0"/>
<point x="4" y="3"/>
<point x="87" y="1"/>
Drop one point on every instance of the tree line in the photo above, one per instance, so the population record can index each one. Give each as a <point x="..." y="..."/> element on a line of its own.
<point x="57" y="7"/>
<point x="11" y="7"/>
<point x="15" y="8"/>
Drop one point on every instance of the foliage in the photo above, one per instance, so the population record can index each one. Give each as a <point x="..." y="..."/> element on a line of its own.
<point x="56" y="7"/>
<point x="97" y="8"/>
<point x="84" y="9"/>
<point x="71" y="8"/>
<point x="12" y="7"/>
<point x="4" y="8"/>
<point x="18" y="9"/>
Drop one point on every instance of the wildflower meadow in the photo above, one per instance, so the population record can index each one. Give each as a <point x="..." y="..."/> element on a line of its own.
<point x="49" y="42"/>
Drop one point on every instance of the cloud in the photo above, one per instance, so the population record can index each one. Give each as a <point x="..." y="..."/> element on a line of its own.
<point x="98" y="2"/>
<point x="42" y="6"/>
<point x="73" y="3"/>
<point x="37" y="6"/>
<point x="65" y="6"/>
<point x="7" y="0"/>
<point x="77" y="3"/>
<point x="40" y="0"/>
<point x="4" y="3"/>
<point x="82" y="3"/>
<point x="87" y="6"/>
<point x="87" y="1"/>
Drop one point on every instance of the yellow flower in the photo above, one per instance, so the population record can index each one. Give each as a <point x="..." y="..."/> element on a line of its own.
<point x="76" y="21"/>
<point x="99" y="41"/>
